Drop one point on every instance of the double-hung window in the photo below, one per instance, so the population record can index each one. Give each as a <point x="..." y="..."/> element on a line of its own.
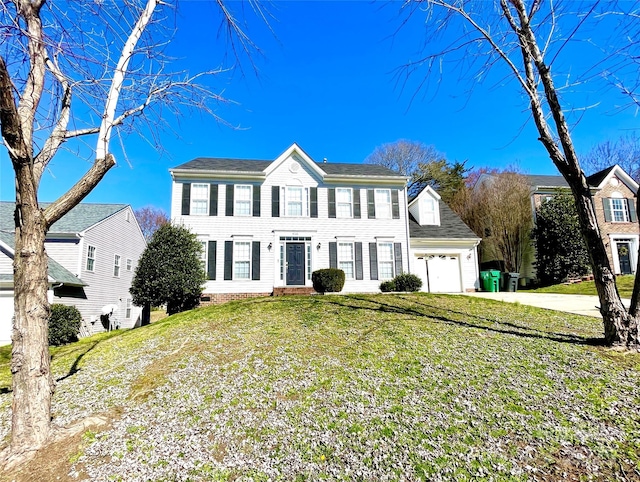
<point x="129" y="264"/>
<point x="385" y="260"/>
<point x="242" y="260"/>
<point x="619" y="210"/>
<point x="429" y="206"/>
<point x="383" y="203"/>
<point x="91" y="258"/>
<point x="242" y="201"/>
<point x="346" y="259"/>
<point x="203" y="255"/>
<point x="295" y="201"/>
<point x="116" y="265"/>
<point x="127" y="313"/>
<point x="344" y="202"/>
<point x="199" y="199"/>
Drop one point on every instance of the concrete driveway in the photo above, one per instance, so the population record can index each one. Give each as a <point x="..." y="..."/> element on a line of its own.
<point x="578" y="304"/>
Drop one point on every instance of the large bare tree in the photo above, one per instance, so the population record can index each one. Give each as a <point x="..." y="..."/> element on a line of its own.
<point x="73" y="70"/>
<point x="528" y="41"/>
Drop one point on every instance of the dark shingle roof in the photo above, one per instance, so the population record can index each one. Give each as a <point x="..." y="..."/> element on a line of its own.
<point x="451" y="226"/>
<point x="597" y="178"/>
<point x="81" y="217"/>
<point x="56" y="271"/>
<point x="547" y="181"/>
<point x="255" y="166"/>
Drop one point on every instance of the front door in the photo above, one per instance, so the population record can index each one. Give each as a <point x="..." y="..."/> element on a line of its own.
<point x="624" y="258"/>
<point x="295" y="264"/>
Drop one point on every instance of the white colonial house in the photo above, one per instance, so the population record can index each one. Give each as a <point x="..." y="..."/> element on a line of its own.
<point x="93" y="251"/>
<point x="266" y="226"/>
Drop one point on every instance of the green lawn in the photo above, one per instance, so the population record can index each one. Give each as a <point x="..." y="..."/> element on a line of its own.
<point x="368" y="387"/>
<point x="625" y="287"/>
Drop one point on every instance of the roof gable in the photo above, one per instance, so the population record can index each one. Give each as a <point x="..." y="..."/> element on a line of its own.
<point x="298" y="155"/>
<point x="601" y="178"/>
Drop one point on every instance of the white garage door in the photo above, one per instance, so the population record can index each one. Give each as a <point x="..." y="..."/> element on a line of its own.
<point x="443" y="272"/>
<point x="6" y="316"/>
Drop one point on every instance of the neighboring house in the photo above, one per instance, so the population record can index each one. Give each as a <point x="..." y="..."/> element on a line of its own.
<point x="444" y="251"/>
<point x="93" y="251"/>
<point x="266" y="226"/>
<point x="614" y="195"/>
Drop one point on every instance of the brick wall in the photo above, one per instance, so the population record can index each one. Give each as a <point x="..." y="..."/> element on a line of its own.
<point x="208" y="299"/>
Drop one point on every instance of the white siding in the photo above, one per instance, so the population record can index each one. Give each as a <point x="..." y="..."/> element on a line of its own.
<point x="115" y="235"/>
<point x="467" y="261"/>
<point x="267" y="229"/>
<point x="6" y="263"/>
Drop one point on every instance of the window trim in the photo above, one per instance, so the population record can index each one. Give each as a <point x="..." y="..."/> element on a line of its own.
<point x="431" y="213"/>
<point x="343" y="203"/>
<point x="623" y="210"/>
<point x="129" y="264"/>
<point x="128" y="308"/>
<point x="386" y="261"/>
<point x="236" y="199"/>
<point x="92" y="258"/>
<point x="304" y="201"/>
<point x="116" y="265"/>
<point x="380" y="213"/>
<point x="193" y="198"/>
<point x="352" y="260"/>
<point x="236" y="260"/>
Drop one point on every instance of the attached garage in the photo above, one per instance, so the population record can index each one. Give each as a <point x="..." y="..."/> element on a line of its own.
<point x="443" y="249"/>
<point x="443" y="273"/>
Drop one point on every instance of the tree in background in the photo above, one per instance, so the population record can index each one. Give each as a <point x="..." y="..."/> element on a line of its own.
<point x="170" y="270"/>
<point x="74" y="70"/>
<point x="449" y="180"/>
<point x="150" y="219"/>
<point x="624" y="152"/>
<point x="560" y="250"/>
<point x="498" y="209"/>
<point x="532" y="43"/>
<point x="423" y="164"/>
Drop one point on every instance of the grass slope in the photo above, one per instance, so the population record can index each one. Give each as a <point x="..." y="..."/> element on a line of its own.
<point x="368" y="387"/>
<point x="624" y="282"/>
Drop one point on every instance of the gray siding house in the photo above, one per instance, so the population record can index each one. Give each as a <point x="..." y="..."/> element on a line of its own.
<point x="93" y="251"/>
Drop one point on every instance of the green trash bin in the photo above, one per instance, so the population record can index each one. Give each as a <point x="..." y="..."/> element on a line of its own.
<point x="489" y="280"/>
<point x="493" y="283"/>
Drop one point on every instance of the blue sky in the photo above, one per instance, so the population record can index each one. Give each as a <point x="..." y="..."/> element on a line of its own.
<point x="327" y="81"/>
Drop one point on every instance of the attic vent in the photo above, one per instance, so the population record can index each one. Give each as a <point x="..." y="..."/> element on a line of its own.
<point x="294" y="166"/>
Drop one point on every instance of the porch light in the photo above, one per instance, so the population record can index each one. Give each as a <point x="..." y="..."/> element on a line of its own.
<point x="270" y="246"/>
<point x="319" y="246"/>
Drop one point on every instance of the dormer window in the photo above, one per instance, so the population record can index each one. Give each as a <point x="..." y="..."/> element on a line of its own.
<point x="430" y="212"/>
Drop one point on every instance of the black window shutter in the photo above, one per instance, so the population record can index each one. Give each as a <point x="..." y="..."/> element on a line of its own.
<point x="373" y="260"/>
<point x="255" y="260"/>
<point x="333" y="255"/>
<point x="332" y="202"/>
<point x="213" y="200"/>
<point x="371" y="208"/>
<point x="606" y="204"/>
<point x="356" y="204"/>
<point x="314" y="202"/>
<point x="186" y="198"/>
<point x="229" y="204"/>
<point x="256" y="201"/>
<point x="228" y="260"/>
<point x="359" y="274"/>
<point x="275" y="201"/>
<point x="631" y="204"/>
<point x="397" y="252"/>
<point x="395" y="204"/>
<point x="211" y="260"/>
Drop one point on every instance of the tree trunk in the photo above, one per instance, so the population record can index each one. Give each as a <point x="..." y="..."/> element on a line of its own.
<point x="33" y="384"/>
<point x="620" y="326"/>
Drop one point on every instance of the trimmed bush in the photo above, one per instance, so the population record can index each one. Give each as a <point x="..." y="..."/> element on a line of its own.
<point x="407" y="282"/>
<point x="387" y="286"/>
<point x="64" y="324"/>
<point x="329" y="280"/>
